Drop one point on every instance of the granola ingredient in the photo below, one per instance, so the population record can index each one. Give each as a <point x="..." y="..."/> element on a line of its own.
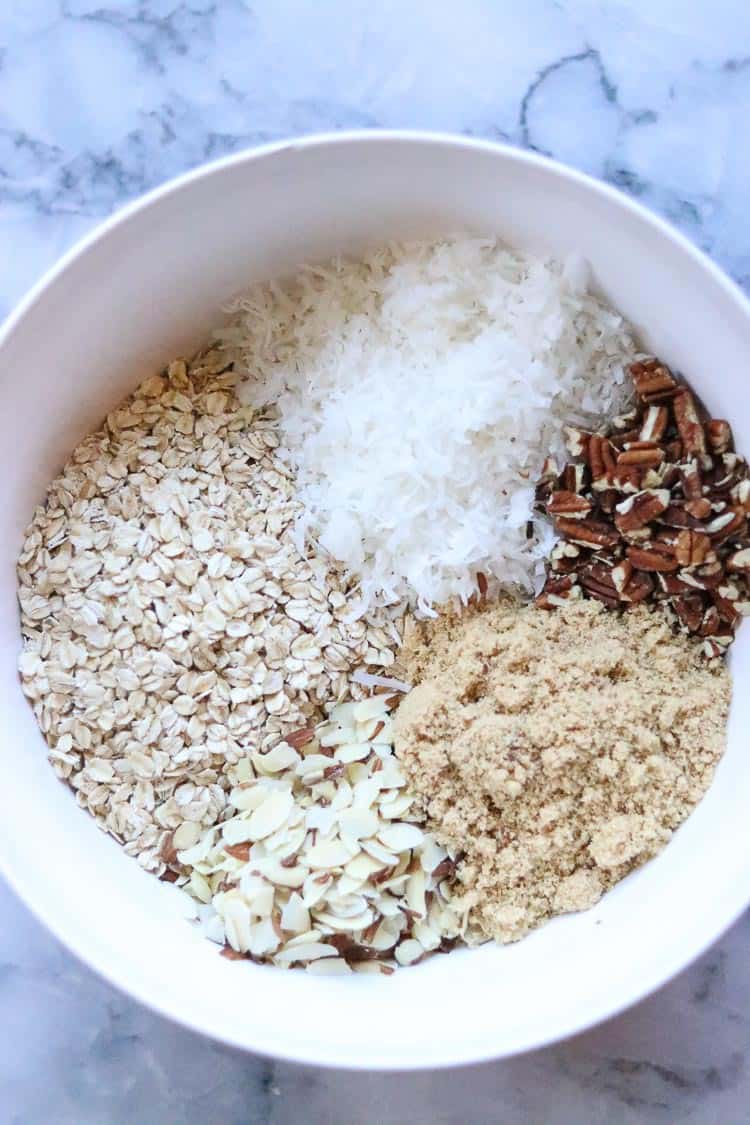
<point x="170" y="621"/>
<point x="419" y="390"/>
<point x="321" y="859"/>
<point x="556" y="750"/>
<point x="654" y="509"/>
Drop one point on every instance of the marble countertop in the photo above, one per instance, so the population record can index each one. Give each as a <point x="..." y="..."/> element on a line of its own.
<point x="101" y="100"/>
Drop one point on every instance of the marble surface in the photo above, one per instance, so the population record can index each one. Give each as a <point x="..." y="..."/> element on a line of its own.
<point x="101" y="100"/>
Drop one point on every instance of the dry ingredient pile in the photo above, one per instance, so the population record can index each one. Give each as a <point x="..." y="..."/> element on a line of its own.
<point x="419" y="391"/>
<point x="555" y="764"/>
<point x="223" y="600"/>
<point x="170" y="622"/>
<point x="654" y="509"/>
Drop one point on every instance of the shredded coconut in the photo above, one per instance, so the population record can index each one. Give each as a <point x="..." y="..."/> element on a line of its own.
<point x="419" y="391"/>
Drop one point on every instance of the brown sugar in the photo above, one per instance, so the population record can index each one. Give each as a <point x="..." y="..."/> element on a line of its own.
<point x="556" y="751"/>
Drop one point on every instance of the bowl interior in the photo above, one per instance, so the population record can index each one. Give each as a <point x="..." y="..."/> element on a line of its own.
<point x="150" y="286"/>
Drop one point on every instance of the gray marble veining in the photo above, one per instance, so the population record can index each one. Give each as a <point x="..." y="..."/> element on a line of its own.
<point x="101" y="100"/>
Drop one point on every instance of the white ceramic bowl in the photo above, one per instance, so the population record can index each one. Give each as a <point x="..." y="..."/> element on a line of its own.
<point x="147" y="286"/>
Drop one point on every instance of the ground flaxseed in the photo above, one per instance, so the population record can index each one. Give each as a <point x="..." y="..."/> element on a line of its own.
<point x="558" y="750"/>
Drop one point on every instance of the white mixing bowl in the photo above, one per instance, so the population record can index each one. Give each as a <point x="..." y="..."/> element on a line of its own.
<point x="147" y="286"/>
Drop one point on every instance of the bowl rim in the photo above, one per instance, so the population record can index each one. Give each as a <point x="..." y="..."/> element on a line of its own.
<point x="707" y="931"/>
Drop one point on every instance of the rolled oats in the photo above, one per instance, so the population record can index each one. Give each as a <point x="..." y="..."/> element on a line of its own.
<point x="163" y="599"/>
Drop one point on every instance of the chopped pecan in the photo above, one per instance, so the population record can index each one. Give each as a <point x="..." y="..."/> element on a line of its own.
<point x="640" y="453"/>
<point x="654" y="423"/>
<point x="719" y="435"/>
<point x="639" y="587"/>
<point x="727" y="525"/>
<point x="588" y="533"/>
<point x="688" y="422"/>
<point x="299" y="738"/>
<point x="708" y="577"/>
<point x="740" y="560"/>
<point x="641" y="509"/>
<point x="627" y="478"/>
<point x="711" y="623"/>
<point x="698" y="509"/>
<point x="672" y="584"/>
<point x="608" y="499"/>
<point x="563" y="503"/>
<point x="692" y="547"/>
<point x="692" y="482"/>
<point x="644" y="558"/>
<point x="741" y="494"/>
<point x="678" y="516"/>
<point x="689" y="609"/>
<point x="653" y="381"/>
<point x="560" y="585"/>
<point x="620" y="440"/>
<point x="576" y="441"/>
<point x="603" y="592"/>
<point x="549" y="601"/>
<point x="670" y="476"/>
<point x="621" y="574"/>
<point x="726" y="609"/>
<point x="601" y="460"/>
<point x="168" y="852"/>
<point x="655" y="509"/>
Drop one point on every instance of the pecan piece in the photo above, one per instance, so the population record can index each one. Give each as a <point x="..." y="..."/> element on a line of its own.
<point x="641" y="509"/>
<point x="576" y="441"/>
<point x="653" y="381"/>
<point x="627" y="478"/>
<point x="549" y="601"/>
<point x="740" y="560"/>
<point x="601" y="458"/>
<point x="692" y="548"/>
<point x="588" y="533"/>
<point x="646" y="558"/>
<point x="719" y="434"/>
<point x="677" y="516"/>
<point x="560" y="585"/>
<point x="711" y="623"/>
<point x="621" y="574"/>
<point x="692" y="482"/>
<point x="726" y="609"/>
<point x="672" y="584"/>
<point x="546" y="480"/>
<point x="597" y="581"/>
<point x="741" y="494"/>
<point x="608" y="499"/>
<point x="639" y="587"/>
<point x="699" y="509"/>
<point x="620" y="439"/>
<point x="654" y="423"/>
<point x="726" y="525"/>
<point x="643" y="453"/>
<point x="563" y="503"/>
<point x="573" y="478"/>
<point x="299" y="738"/>
<point x="689" y="609"/>
<point x="688" y="422"/>
<point x="708" y="577"/>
